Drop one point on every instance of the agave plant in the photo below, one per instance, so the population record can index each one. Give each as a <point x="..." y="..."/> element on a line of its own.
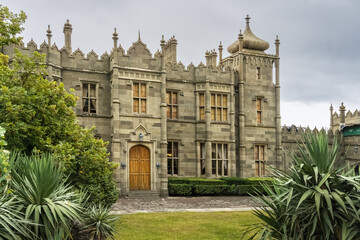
<point x="314" y="199"/>
<point x="99" y="224"/>
<point x="40" y="187"/>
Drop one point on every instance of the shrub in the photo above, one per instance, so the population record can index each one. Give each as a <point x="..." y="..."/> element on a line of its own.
<point x="98" y="224"/>
<point x="314" y="199"/>
<point x="180" y="189"/>
<point x="48" y="201"/>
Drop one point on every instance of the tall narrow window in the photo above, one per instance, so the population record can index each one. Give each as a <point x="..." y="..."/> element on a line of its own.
<point x="219" y="107"/>
<point x="258" y="111"/>
<point x="173" y="158"/>
<point x="259" y="151"/>
<point x="89" y="98"/>
<point x="258" y="73"/>
<point x="202" y="106"/>
<point x="139" y="97"/>
<point x="202" y="159"/>
<point x="219" y="159"/>
<point x="172" y="104"/>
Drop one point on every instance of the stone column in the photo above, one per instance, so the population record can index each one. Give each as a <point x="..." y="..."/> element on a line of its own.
<point x="279" y="159"/>
<point x="49" y="67"/>
<point x="242" y="149"/>
<point x="232" y="146"/>
<point x="208" y="167"/>
<point x="163" y="176"/>
<point x="115" y="120"/>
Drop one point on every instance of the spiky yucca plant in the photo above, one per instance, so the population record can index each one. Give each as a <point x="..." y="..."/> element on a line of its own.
<point x="39" y="186"/>
<point x="314" y="199"/>
<point x="99" y="224"/>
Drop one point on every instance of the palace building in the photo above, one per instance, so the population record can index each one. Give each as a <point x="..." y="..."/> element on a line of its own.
<point x="162" y="119"/>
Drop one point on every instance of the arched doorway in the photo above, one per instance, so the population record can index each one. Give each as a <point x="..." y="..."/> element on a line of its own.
<point x="139" y="168"/>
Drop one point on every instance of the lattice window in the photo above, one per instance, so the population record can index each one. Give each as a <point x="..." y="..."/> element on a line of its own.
<point x="173" y="158"/>
<point x="219" y="107"/>
<point x="202" y="106"/>
<point x="219" y="159"/>
<point x="259" y="152"/>
<point x="172" y="104"/>
<point x="139" y="97"/>
<point x="89" y="98"/>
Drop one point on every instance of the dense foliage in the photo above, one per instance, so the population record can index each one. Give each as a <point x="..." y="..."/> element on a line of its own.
<point x="314" y="199"/>
<point x="38" y="117"/>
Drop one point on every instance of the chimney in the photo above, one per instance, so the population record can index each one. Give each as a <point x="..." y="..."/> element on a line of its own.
<point x="67" y="32"/>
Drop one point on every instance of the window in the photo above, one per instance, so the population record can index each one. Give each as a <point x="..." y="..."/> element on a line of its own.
<point x="258" y="73"/>
<point x="139" y="97"/>
<point x="89" y="98"/>
<point x="219" y="107"/>
<point x="258" y="111"/>
<point x="173" y="158"/>
<point x="172" y="104"/>
<point x="219" y="157"/>
<point x="202" y="106"/>
<point x="259" y="151"/>
<point x="202" y="159"/>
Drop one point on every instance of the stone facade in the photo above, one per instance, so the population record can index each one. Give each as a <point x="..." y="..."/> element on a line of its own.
<point x="216" y="119"/>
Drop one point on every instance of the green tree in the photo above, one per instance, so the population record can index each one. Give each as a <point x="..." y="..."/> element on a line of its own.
<point x="315" y="199"/>
<point x="10" y="26"/>
<point x="37" y="115"/>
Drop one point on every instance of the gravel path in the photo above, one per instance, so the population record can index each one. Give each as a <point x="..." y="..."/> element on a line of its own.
<point x="182" y="204"/>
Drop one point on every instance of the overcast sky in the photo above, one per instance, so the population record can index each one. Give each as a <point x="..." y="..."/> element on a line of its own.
<point x="319" y="50"/>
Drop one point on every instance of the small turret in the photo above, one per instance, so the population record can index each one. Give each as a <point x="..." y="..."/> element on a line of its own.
<point x="342" y="110"/>
<point x="331" y="116"/>
<point x="67" y="32"/>
<point x="207" y="57"/>
<point x="220" y="53"/>
<point x="213" y="58"/>
<point x="241" y="40"/>
<point x="49" y="35"/>
<point x="115" y="38"/>
<point x="170" y="50"/>
<point x="277" y="43"/>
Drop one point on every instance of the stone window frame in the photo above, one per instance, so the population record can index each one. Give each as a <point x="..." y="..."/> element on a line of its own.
<point x="260" y="159"/>
<point x="172" y="105"/>
<point x="140" y="98"/>
<point x="219" y="159"/>
<point x="259" y="110"/>
<point x="258" y="73"/>
<point x="202" y="105"/>
<point x="96" y="98"/>
<point x="214" y="108"/>
<point x="202" y="159"/>
<point x="174" y="168"/>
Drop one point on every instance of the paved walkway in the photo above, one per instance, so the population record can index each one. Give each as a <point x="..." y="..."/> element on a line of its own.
<point x="183" y="204"/>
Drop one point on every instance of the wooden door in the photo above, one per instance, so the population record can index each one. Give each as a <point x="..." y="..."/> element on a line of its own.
<point x="139" y="169"/>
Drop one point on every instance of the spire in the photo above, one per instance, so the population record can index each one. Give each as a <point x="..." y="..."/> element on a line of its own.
<point x="49" y="35"/>
<point x="241" y="42"/>
<point x="162" y="41"/>
<point x="139" y="36"/>
<point x="247" y="20"/>
<point x="277" y="43"/>
<point x="115" y="38"/>
<point x="220" y="52"/>
<point x="342" y="110"/>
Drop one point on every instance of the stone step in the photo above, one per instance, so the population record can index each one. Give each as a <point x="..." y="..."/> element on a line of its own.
<point x="143" y="194"/>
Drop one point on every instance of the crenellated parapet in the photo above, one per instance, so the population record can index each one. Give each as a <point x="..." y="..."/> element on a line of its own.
<point x="292" y="134"/>
<point x="343" y="118"/>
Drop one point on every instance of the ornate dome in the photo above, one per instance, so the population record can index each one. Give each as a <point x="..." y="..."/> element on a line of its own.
<point x="250" y="41"/>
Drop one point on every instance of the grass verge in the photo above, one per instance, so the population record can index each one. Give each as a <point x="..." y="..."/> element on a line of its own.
<point x="184" y="225"/>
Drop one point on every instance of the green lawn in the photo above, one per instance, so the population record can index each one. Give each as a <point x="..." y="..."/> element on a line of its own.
<point x="184" y="225"/>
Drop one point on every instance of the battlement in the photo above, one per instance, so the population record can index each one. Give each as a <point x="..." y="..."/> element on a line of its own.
<point x="343" y="117"/>
<point x="292" y="134"/>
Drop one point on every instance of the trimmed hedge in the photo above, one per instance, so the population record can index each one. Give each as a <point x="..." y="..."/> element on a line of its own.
<point x="214" y="187"/>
